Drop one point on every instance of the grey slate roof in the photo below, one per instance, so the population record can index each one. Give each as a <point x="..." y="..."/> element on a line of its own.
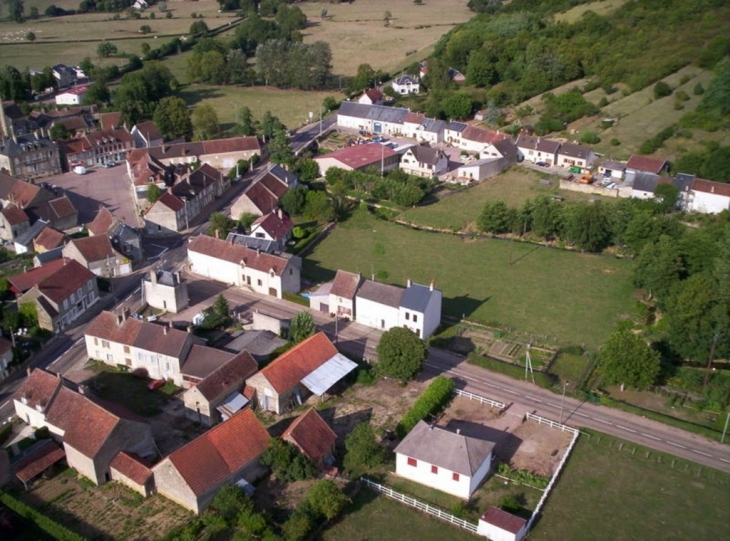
<point x="426" y="154"/>
<point x="645" y="182"/>
<point x="381" y="293"/>
<point x="448" y="450"/>
<point x="683" y="181"/>
<point x="574" y="151"/>
<point x="378" y="113"/>
<point x="26" y="238"/>
<point x="266" y="246"/>
<point x="416" y="297"/>
<point x="433" y="125"/>
<point x="456" y="126"/>
<point x="406" y="79"/>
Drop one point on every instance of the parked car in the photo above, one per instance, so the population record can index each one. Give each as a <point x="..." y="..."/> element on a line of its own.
<point x="156" y="384"/>
<point x="80" y="170"/>
<point x="542" y="164"/>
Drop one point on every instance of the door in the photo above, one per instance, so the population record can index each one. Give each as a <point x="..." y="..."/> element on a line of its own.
<point x="324" y="308"/>
<point x="272" y="292"/>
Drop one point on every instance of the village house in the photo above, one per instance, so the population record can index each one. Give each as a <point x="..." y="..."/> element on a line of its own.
<point x="13" y="223"/>
<point x="29" y="156"/>
<point x="23" y="243"/>
<point x="74" y="119"/>
<point x="342" y="294"/>
<point x="98" y="255"/>
<point x="644" y="185"/>
<point x="62" y="296"/>
<point x="453" y="131"/>
<point x="48" y="239"/>
<point x="108" y="121"/>
<point x="200" y="362"/>
<point x="448" y="461"/>
<point x="478" y="170"/>
<point x="20" y="283"/>
<point x="226" y="454"/>
<point x="406" y="84"/>
<point x="65" y="75"/>
<point x="146" y="135"/>
<point x="424" y="161"/>
<point x="474" y="139"/>
<point x="378" y="305"/>
<point x="420" y="309"/>
<point x="72" y="96"/>
<point x="165" y="290"/>
<point x="612" y="169"/>
<point x="499" y="525"/>
<point x="537" y="149"/>
<point x="59" y="213"/>
<point x="124" y="239"/>
<point x="372" y="96"/>
<point x="275" y="226"/>
<point x="372" y="118"/>
<point x="378" y="158"/>
<point x="644" y="164"/>
<point x="230" y="263"/>
<point x="708" y="197"/>
<point x="312" y="366"/>
<point x="132" y="471"/>
<point x="220" y="394"/>
<point x="97" y="148"/>
<point x="571" y="155"/>
<point x="166" y="216"/>
<point x="92" y="435"/>
<point x="265" y="193"/>
<point x="313" y="437"/>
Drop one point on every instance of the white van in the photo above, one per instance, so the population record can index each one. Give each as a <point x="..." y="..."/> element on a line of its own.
<point x="80" y="170"/>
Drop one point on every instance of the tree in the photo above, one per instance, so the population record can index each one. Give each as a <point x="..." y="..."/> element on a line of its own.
<point x="294" y="200"/>
<point x="659" y="267"/>
<point x="205" y="122"/>
<point x="198" y="28"/>
<point x="286" y="461"/>
<point x="319" y="207"/>
<point x="626" y="359"/>
<point x="587" y="226"/>
<point x="246" y="122"/>
<point x="401" y="354"/>
<point x="16" y="8"/>
<point x="459" y="105"/>
<point x="97" y="93"/>
<point x="106" y="49"/>
<point x="329" y="104"/>
<point x="666" y="197"/>
<point x="691" y="325"/>
<point x="363" y="450"/>
<point x="246" y="219"/>
<point x="154" y="192"/>
<point x="172" y="117"/>
<point x="59" y="131"/>
<point x="217" y="316"/>
<point x="307" y="169"/>
<point x="220" y="225"/>
<point x="30" y="36"/>
<point x="326" y="499"/>
<point x="302" y="327"/>
<point x="280" y="152"/>
<point x="494" y="217"/>
<point x="13" y="85"/>
<point x="145" y="29"/>
<point x="364" y="78"/>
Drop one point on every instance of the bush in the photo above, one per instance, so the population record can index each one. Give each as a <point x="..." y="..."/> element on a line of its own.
<point x="140" y="373"/>
<point x="698" y="90"/>
<point x="522" y="476"/>
<point x="433" y="400"/>
<point x="590" y="138"/>
<point x="363" y="450"/>
<point x="661" y="90"/>
<point x="681" y="95"/>
<point x="615" y="142"/>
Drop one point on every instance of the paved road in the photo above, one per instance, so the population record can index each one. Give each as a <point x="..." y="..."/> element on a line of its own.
<point x="303" y="136"/>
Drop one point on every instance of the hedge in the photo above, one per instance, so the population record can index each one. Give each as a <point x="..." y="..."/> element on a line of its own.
<point x="51" y="527"/>
<point x="432" y="401"/>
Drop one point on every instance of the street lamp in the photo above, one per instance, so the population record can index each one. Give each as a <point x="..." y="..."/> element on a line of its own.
<point x="562" y="403"/>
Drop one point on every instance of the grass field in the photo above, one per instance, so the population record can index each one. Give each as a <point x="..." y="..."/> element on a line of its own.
<point x="567" y="297"/>
<point x="600" y="7"/>
<point x="460" y="210"/>
<point x="609" y="494"/>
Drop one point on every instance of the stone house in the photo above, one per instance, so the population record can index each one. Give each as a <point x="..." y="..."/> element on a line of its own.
<point x="313" y="437"/>
<point x="165" y="290"/>
<point x="29" y="156"/>
<point x="47" y="240"/>
<point x="98" y="255"/>
<point x="265" y="193"/>
<point x="97" y="147"/>
<point x="124" y="239"/>
<point x="372" y="156"/>
<point x="132" y="471"/>
<point x="13" y="223"/>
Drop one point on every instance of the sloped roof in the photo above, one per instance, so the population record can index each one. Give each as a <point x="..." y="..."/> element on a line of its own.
<point x="94" y="248"/>
<point x="49" y="238"/>
<point x="360" y="156"/>
<point x="426" y="154"/>
<point x="23" y="282"/>
<point x="109" y="120"/>
<point x="503" y="520"/>
<point x="311" y="434"/>
<point x="109" y="326"/>
<point x="711" y="187"/>
<point x="645" y="182"/>
<point x="26" y="238"/>
<point x="162" y="339"/>
<point x="235" y="253"/>
<point x="414" y="118"/>
<point x="537" y="143"/>
<point x="416" y="297"/>
<point x="131" y="466"/>
<point x="406" y="80"/>
<point x="101" y="223"/>
<point x="234" y="371"/>
<point x="277" y="227"/>
<point x="201" y="361"/>
<point x="14" y="215"/>
<point x="209" y="459"/>
<point x="449" y="450"/>
<point x="303" y="359"/>
<point x="149" y="130"/>
<point x="374" y="94"/>
<point x="17" y="191"/>
<point x="472" y="133"/>
<point x="38" y="388"/>
<point x="234" y="144"/>
<point x="261" y="197"/>
<point x="507" y="149"/>
<point x="386" y="294"/>
<point x="170" y="201"/>
<point x="573" y="150"/>
<point x="66" y="280"/>
<point x="44" y="455"/>
<point x="274" y="184"/>
<point x="646" y="163"/>
<point x="322" y="378"/>
<point x="345" y="284"/>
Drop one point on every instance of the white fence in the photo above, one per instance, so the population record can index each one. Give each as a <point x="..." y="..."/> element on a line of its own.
<point x="478" y="398"/>
<point x="552" y="424"/>
<point x="433" y="511"/>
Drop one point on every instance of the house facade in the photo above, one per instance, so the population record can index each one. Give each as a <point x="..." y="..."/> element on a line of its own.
<point x="167" y="215"/>
<point x="98" y="147"/>
<point x="146" y="135"/>
<point x="571" y="155"/>
<point x="124" y="239"/>
<point x="424" y="161"/>
<point x="342" y="294"/>
<point x="165" y="290"/>
<point x="221" y="154"/>
<point x="499" y="525"/>
<point x="444" y="460"/>
<point x="234" y="264"/>
<point x="98" y="255"/>
<point x="72" y="96"/>
<point x="29" y="157"/>
<point x="13" y="223"/>
<point x="708" y="197"/>
<point x="478" y="170"/>
<point x="378" y="305"/>
<point x="537" y="149"/>
<point x="275" y="227"/>
<point x="406" y="84"/>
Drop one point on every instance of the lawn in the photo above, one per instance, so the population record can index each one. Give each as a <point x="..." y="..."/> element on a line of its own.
<point x="570" y="368"/>
<point x="514" y="187"/>
<point x="619" y="494"/>
<point x="372" y="516"/>
<point x="600" y="7"/>
<point x="561" y="296"/>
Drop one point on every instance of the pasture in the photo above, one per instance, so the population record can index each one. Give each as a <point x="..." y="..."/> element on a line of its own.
<point x="559" y="296"/>
<point x="611" y="490"/>
<point x="600" y="7"/>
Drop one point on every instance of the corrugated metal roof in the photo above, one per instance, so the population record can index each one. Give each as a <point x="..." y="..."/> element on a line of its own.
<point x="234" y="403"/>
<point x="328" y="374"/>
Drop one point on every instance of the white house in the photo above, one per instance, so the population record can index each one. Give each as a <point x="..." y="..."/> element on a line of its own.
<point x="644" y="185"/>
<point x="372" y="96"/>
<point x="431" y="131"/>
<point x="572" y="155"/>
<point x="372" y="118"/>
<point x="708" y="197"/>
<point x="444" y="460"/>
<point x="499" y="525"/>
<point x="537" y="149"/>
<point x="378" y="305"/>
<point x="612" y="169"/>
<point x="342" y="294"/>
<point x="274" y="226"/>
<point x="424" y="161"/>
<point x="406" y="84"/>
<point x="420" y="309"/>
<point x="453" y="131"/>
<point x="73" y="96"/>
<point x="474" y="139"/>
<point x="235" y="264"/>
<point x="479" y="170"/>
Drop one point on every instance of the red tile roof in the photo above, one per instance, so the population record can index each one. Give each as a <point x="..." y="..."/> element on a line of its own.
<point x="374" y="94"/>
<point x="62" y="207"/>
<point x="66" y="280"/>
<point x="114" y="328"/>
<point x="101" y="222"/>
<point x="209" y="459"/>
<point x="261" y="197"/>
<point x="94" y="248"/>
<point x="273" y="184"/>
<point x="14" y="215"/>
<point x="345" y="284"/>
<point x="300" y="361"/>
<point x="232" y="373"/>
<point x="235" y="253"/>
<point x="711" y="187"/>
<point x="48" y="239"/>
<point x="109" y="120"/>
<point x="361" y="156"/>
<point x="170" y="201"/>
<point x="472" y="133"/>
<point x="312" y="435"/>
<point x="38" y="388"/>
<point x="23" y="282"/>
<point x="42" y="458"/>
<point x="415" y="118"/>
<point x="234" y="144"/>
<point x="277" y="227"/>
<point x="132" y="467"/>
<point x="503" y="520"/>
<point x="646" y="163"/>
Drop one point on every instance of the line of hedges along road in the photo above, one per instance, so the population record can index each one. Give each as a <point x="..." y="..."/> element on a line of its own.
<point x="433" y="400"/>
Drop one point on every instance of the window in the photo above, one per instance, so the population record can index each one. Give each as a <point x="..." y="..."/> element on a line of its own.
<point x="412" y="462"/>
<point x="110" y="357"/>
<point x="105" y="344"/>
<point x="259" y="282"/>
<point x="80" y="292"/>
<point x="126" y="349"/>
<point x="408" y="316"/>
<point x="455" y="476"/>
<point x="415" y="318"/>
<point x="434" y="469"/>
<point x="96" y="341"/>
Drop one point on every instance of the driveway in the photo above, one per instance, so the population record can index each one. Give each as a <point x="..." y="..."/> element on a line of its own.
<point x="109" y="187"/>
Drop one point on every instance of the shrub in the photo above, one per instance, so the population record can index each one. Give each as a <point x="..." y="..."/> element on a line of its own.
<point x="522" y="476"/>
<point x="681" y="95"/>
<point x="615" y="142"/>
<point x="363" y="450"/>
<point x="661" y="90"/>
<point x="698" y="90"/>
<point x="433" y="400"/>
<point x="603" y="102"/>
<point x="140" y="373"/>
<point x="287" y="462"/>
<point x="590" y="138"/>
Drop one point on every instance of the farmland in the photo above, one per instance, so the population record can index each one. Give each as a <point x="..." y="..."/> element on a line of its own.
<point x="563" y="296"/>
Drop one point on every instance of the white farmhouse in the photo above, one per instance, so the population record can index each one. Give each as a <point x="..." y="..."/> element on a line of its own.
<point x="444" y="460"/>
<point x="406" y="84"/>
<point x="424" y="161"/>
<point x="73" y="96"/>
<point x="708" y="197"/>
<point x="378" y="305"/>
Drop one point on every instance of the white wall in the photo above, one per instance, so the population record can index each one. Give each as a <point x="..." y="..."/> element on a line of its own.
<point x="325" y="163"/>
<point x="352" y="122"/>
<point x="210" y="267"/>
<point x="372" y="314"/>
<point x="69" y="99"/>
<point x="493" y="533"/>
<point x="443" y="480"/>
<point x="432" y="316"/>
<point x="708" y="203"/>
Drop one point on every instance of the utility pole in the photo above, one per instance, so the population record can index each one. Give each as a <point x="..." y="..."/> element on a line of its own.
<point x="709" y="360"/>
<point x="724" y="430"/>
<point x="562" y="403"/>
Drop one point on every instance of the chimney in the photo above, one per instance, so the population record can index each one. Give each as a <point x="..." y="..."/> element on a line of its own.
<point x="177" y="278"/>
<point x="280" y="213"/>
<point x="430" y="287"/>
<point x="258" y="250"/>
<point x="28" y="371"/>
<point x="217" y="234"/>
<point x="125" y="314"/>
<point x="408" y="282"/>
<point x="164" y="330"/>
<point x="458" y="431"/>
<point x="189" y="329"/>
<point x="153" y="276"/>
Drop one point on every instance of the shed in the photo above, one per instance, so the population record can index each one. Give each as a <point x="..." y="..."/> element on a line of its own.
<point x="499" y="525"/>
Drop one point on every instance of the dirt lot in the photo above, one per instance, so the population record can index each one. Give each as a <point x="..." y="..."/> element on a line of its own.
<point x="109" y="512"/>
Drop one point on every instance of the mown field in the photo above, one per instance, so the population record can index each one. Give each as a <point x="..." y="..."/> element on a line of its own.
<point x="562" y="296"/>
<point x="610" y="492"/>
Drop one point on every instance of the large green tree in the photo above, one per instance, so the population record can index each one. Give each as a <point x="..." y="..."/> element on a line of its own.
<point x="220" y="225"/>
<point x="401" y="354"/>
<point x="172" y="118"/>
<point x="692" y="326"/>
<point x="627" y="360"/>
<point x="205" y="122"/>
<point x="363" y="450"/>
<point x="326" y="499"/>
<point x="302" y="327"/>
<point x="659" y="267"/>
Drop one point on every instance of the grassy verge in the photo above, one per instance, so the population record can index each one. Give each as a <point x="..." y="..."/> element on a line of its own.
<point x="514" y="371"/>
<point x="642" y="494"/>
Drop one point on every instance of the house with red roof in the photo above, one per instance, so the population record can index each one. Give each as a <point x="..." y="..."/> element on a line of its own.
<point x="214" y="397"/>
<point x="475" y="139"/>
<point x="133" y="471"/>
<point x="72" y="96"/>
<point x="274" y="226"/>
<point x="63" y="295"/>
<point x="98" y="147"/>
<point x="13" y="223"/>
<point x="311" y="367"/>
<point x="645" y="164"/>
<point x="47" y="240"/>
<point x="241" y="266"/>
<point x="500" y="525"/>
<point x="167" y="215"/>
<point x="313" y="437"/>
<point x="125" y="239"/>
<point x="92" y="432"/>
<point x="265" y="193"/>
<point x="708" y="197"/>
<point x="372" y="156"/>
<point x="372" y="96"/>
<point x="226" y="454"/>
